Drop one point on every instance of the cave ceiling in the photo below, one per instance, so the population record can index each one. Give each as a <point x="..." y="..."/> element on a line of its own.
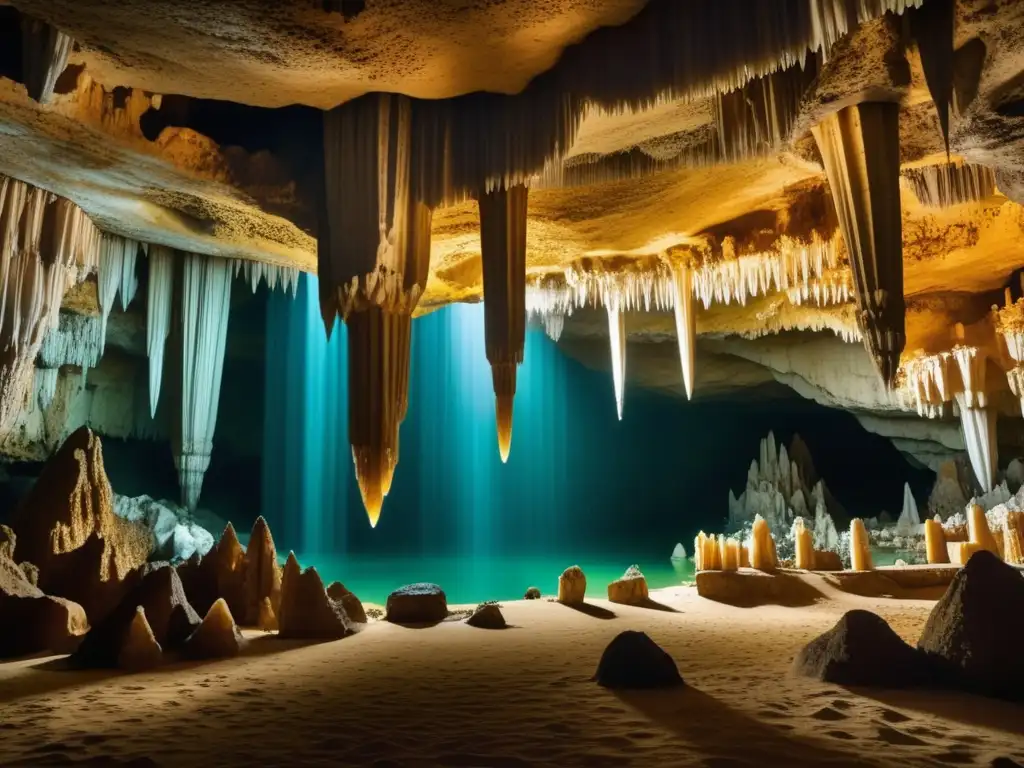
<point x="195" y="126"/>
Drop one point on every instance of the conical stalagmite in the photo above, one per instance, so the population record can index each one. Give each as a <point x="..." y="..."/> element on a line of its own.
<point x="686" y="322"/>
<point x="373" y="255"/>
<point x="44" y="54"/>
<point x="503" y="252"/>
<point x="860" y="146"/>
<point x="617" y="337"/>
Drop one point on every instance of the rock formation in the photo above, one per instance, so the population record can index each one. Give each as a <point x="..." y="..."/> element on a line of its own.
<point x="971" y="632"/>
<point x="532" y="593"/>
<point x="633" y="661"/>
<point x="909" y="521"/>
<point x="262" y="576"/>
<point x="221" y="573"/>
<point x="44" y="54"/>
<point x="487" y="616"/>
<point x="631" y="589"/>
<point x="67" y="528"/>
<point x="176" y="536"/>
<point x="861" y="649"/>
<point x="572" y="586"/>
<point x="353" y="605"/>
<point x="139" y="650"/>
<point x="417" y="604"/>
<point x="307" y="613"/>
<point x="217" y="637"/>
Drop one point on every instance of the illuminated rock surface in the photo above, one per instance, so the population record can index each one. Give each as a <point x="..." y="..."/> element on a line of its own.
<point x="217" y="637"/>
<point x="631" y="589"/>
<point x="572" y="586"/>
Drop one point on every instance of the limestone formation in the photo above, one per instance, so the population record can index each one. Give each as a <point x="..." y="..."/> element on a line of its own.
<point x="633" y="661"/>
<point x="909" y="521"/>
<point x="972" y="632"/>
<point x="44" y="54"/>
<point x="686" y="323"/>
<point x="307" y="613"/>
<point x="353" y="605"/>
<point x="572" y="586"/>
<point x="67" y="528"/>
<point x="262" y="577"/>
<point x="860" y="148"/>
<point x="420" y="603"/>
<point x="860" y="546"/>
<point x="503" y="254"/>
<point x="861" y="649"/>
<point x="487" y="616"/>
<point x="267" y="620"/>
<point x="158" y="317"/>
<point x="169" y="618"/>
<point x="217" y="637"/>
<point x="221" y="573"/>
<point x="617" y="337"/>
<point x="631" y="589"/>
<point x="139" y="650"/>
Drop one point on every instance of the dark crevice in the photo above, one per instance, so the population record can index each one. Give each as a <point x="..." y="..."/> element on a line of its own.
<point x="10" y="44"/>
<point x="968" y="61"/>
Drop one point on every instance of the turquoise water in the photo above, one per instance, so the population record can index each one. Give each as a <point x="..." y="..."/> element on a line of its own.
<point x="476" y="579"/>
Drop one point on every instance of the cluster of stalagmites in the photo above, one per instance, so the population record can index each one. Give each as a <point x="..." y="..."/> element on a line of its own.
<point x="969" y="641"/>
<point x="81" y="583"/>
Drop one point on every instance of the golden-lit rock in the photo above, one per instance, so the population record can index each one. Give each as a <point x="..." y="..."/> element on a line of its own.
<point x="217" y="637"/>
<point x="860" y="547"/>
<point x="139" y="649"/>
<point x="631" y="589"/>
<point x="353" y="605"/>
<point x="572" y="586"/>
<point x="935" y="542"/>
<point x="306" y="611"/>
<point x="267" y="620"/>
<point x="262" y="577"/>
<point x="762" y="546"/>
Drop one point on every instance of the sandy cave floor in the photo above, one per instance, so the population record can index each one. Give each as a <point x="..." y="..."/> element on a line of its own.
<point x="453" y="695"/>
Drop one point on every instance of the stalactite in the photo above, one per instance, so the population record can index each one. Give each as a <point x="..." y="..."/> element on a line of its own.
<point x="46" y="245"/>
<point x="75" y="340"/>
<point x="203" y="321"/>
<point x="860" y="148"/>
<point x="949" y="184"/>
<point x="503" y="253"/>
<point x="379" y="347"/>
<point x="617" y="338"/>
<point x="976" y="418"/>
<point x="116" y="275"/>
<point x="44" y="55"/>
<point x="686" y="323"/>
<point x="381" y="168"/>
<point x="931" y="26"/>
<point x="274" y="275"/>
<point x="158" y="316"/>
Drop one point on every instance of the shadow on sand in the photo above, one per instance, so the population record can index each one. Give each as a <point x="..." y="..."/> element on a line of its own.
<point x="594" y="611"/>
<point x="959" y="707"/>
<point x="724" y="736"/>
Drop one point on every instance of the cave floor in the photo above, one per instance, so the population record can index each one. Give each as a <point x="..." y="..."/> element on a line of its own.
<point x="453" y="695"/>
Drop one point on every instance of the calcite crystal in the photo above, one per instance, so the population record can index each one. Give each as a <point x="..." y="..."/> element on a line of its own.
<point x="860" y="146"/>
<point x="762" y="547"/>
<point x="935" y="542"/>
<point x="860" y="546"/>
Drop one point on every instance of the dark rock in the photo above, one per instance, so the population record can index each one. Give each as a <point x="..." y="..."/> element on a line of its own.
<point x="168" y="614"/>
<point x="306" y="610"/>
<point x="973" y="633"/>
<point x="353" y="605"/>
<point x="218" y="637"/>
<point x="532" y="594"/>
<point x="487" y="616"/>
<point x="420" y="603"/>
<point x="139" y="649"/>
<point x="861" y="649"/>
<point x="633" y="660"/>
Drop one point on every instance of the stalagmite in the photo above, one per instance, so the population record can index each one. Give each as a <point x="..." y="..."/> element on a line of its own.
<point x="762" y="547"/>
<point x="860" y="148"/>
<point x="744" y="556"/>
<point x="204" y="308"/>
<point x="617" y="338"/>
<point x="712" y="554"/>
<point x="44" y="55"/>
<point x="503" y="253"/>
<point x="158" y="316"/>
<point x="46" y="245"/>
<point x="960" y="551"/>
<point x="373" y="255"/>
<point x="976" y="418"/>
<point x="860" y="547"/>
<point x="1013" y="538"/>
<point x="686" y="323"/>
<point x="935" y="542"/>
<point x="979" y="532"/>
<point x="804" y="545"/>
<point x="698" y="551"/>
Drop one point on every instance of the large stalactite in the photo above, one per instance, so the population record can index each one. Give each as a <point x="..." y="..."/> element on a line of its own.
<point x="46" y="245"/>
<point x="503" y="251"/>
<point x="373" y="259"/>
<point x="686" y="322"/>
<point x="860" y="148"/>
<point x="158" y="316"/>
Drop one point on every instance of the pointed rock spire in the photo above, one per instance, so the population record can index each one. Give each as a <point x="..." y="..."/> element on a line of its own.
<point x="44" y="55"/>
<point x="140" y="650"/>
<point x="617" y="337"/>
<point x="262" y="576"/>
<point x="503" y="252"/>
<point x="217" y="637"/>
<point x="686" y="322"/>
<point x="860" y="149"/>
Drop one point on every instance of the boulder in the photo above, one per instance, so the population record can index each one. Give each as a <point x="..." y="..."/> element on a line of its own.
<point x="267" y="620"/>
<point x="631" y="589"/>
<point x="218" y="637"/>
<point x="139" y="649"/>
<point x="533" y="593"/>
<point x="572" y="586"/>
<point x="306" y="610"/>
<point x="168" y="615"/>
<point x="487" y="616"/>
<point x="861" y="649"/>
<point x="31" y="621"/>
<point x="417" y="604"/>
<point x="262" y="577"/>
<point x="633" y="661"/>
<point x="973" y="633"/>
<point x="353" y="605"/>
<point x="67" y="528"/>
